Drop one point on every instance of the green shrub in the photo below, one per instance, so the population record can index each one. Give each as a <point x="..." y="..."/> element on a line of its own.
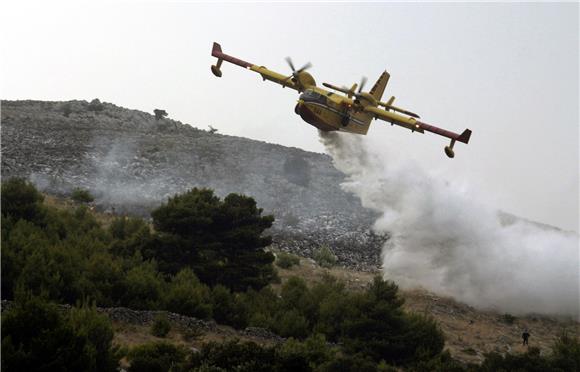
<point x="286" y="260"/>
<point x="443" y="362"/>
<point x="161" y="326"/>
<point x="82" y="196"/>
<point x="144" y="287"/>
<point x="291" y="324"/>
<point x="530" y="361"/>
<point x="131" y="235"/>
<point x="21" y="200"/>
<point x="566" y="353"/>
<point x="157" y="357"/>
<point x="314" y="350"/>
<point x="228" y="308"/>
<point x="324" y="257"/>
<point x="36" y="337"/>
<point x="235" y="356"/>
<point x="508" y="318"/>
<point x="349" y="363"/>
<point x="377" y="327"/>
<point x="97" y="329"/>
<point x="188" y="296"/>
<point x="191" y="334"/>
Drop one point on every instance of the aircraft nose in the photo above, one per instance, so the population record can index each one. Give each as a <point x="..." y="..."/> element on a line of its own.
<point x="298" y="108"/>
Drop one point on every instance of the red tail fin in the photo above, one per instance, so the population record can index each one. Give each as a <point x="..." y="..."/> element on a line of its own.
<point x="464" y="137"/>
<point x="216" y="48"/>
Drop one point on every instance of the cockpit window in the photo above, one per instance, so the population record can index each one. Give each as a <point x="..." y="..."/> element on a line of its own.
<point x="312" y="96"/>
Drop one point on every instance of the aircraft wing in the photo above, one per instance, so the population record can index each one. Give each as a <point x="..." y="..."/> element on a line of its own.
<point x="284" y="80"/>
<point x="415" y="125"/>
<point x="393" y="118"/>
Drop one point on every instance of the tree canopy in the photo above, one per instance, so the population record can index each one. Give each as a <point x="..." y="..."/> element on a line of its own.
<point x="221" y="240"/>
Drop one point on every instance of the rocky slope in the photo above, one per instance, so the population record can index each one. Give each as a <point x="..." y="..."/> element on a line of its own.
<point x="131" y="162"/>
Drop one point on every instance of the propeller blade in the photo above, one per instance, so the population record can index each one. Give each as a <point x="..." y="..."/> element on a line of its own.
<point x="305" y="67"/>
<point x="289" y="61"/>
<point x="363" y="81"/>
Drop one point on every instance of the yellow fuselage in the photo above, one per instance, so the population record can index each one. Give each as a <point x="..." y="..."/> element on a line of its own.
<point x="329" y="111"/>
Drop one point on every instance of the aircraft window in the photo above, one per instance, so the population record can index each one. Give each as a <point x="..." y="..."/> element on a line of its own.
<point x="312" y="96"/>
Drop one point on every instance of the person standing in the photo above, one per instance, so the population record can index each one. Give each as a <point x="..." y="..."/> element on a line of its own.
<point x="525" y="336"/>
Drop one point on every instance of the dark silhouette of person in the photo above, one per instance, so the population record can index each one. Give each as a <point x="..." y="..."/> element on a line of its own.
<point x="525" y="336"/>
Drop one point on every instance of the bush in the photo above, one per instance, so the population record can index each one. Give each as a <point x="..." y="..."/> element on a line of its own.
<point x="566" y="353"/>
<point x="286" y="260"/>
<point x="96" y="105"/>
<point x="191" y="334"/>
<point x="161" y="326"/>
<point x="508" y="318"/>
<point x="144" y="287"/>
<point x="235" y="356"/>
<point x="378" y="328"/>
<point x="291" y="324"/>
<point x="314" y="350"/>
<point x="131" y="236"/>
<point x="188" y="296"/>
<point x="157" y="357"/>
<point x="531" y="361"/>
<point x="228" y="308"/>
<point x="21" y="200"/>
<point x="82" y="196"/>
<point x="349" y="363"/>
<point x="324" y="257"/>
<point x="36" y="337"/>
<point x="159" y="114"/>
<point x="97" y="329"/>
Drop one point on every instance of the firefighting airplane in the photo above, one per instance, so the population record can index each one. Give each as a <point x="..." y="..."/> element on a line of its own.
<point x="351" y="112"/>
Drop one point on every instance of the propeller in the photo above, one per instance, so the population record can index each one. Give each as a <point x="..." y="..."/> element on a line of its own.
<point x="295" y="72"/>
<point x="363" y="81"/>
<point x="352" y="91"/>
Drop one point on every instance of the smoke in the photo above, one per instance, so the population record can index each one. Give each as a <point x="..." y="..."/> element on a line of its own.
<point x="123" y="177"/>
<point x="443" y="240"/>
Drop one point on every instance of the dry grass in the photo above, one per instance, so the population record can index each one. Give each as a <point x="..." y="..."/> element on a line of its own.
<point x="485" y="331"/>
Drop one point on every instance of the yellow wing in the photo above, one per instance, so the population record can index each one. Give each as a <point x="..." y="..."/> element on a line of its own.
<point x="418" y="126"/>
<point x="298" y="82"/>
<point x="393" y="118"/>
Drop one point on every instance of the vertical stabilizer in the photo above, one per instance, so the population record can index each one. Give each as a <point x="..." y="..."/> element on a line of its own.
<point x="380" y="85"/>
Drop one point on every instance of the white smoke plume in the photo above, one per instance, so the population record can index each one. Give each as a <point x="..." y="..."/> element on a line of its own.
<point x="444" y="241"/>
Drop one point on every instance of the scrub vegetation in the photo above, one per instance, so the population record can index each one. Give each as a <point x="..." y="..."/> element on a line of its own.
<point x="202" y="257"/>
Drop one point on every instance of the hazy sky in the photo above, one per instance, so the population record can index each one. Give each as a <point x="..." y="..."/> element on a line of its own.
<point x="507" y="71"/>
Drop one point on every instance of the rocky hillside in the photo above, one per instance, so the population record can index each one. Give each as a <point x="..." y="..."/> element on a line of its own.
<point x="130" y="162"/>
